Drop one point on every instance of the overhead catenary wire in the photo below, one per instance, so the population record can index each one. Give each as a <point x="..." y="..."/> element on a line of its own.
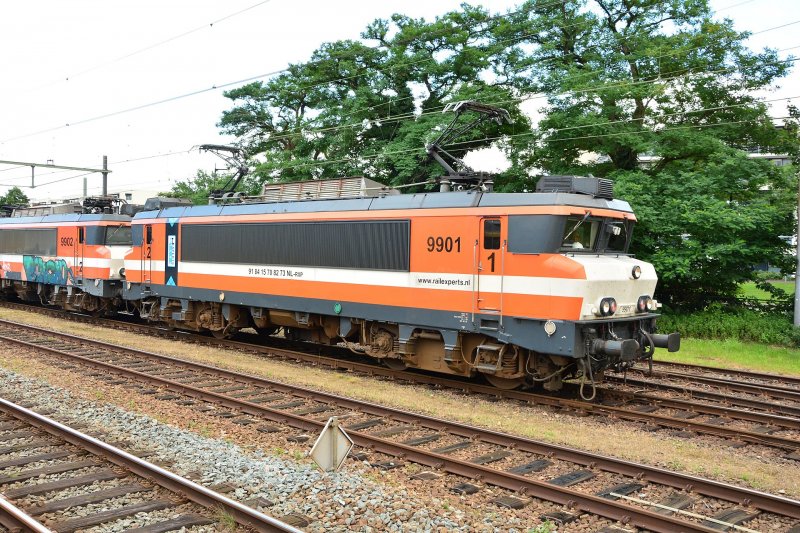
<point x="422" y="150"/>
<point x="230" y="84"/>
<point x="414" y="116"/>
<point x="120" y="162"/>
<point x="201" y="91"/>
<point x="383" y="119"/>
<point x="147" y="48"/>
<point x="485" y="139"/>
<point x="393" y="100"/>
<point x="266" y="75"/>
<point x="216" y="87"/>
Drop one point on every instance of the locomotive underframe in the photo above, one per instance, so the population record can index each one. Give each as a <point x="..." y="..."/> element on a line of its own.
<point x="91" y="296"/>
<point x="508" y="351"/>
<point x="495" y="347"/>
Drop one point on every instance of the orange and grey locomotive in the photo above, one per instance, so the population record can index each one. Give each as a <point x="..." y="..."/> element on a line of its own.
<point x="74" y="261"/>
<point x="519" y="288"/>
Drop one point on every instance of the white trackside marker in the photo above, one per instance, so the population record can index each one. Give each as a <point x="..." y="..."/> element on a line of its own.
<point x="332" y="446"/>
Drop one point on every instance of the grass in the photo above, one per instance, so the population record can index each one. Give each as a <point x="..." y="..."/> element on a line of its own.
<point x="546" y="527"/>
<point x="749" y="290"/>
<point x="226" y="520"/>
<point x="736" y="354"/>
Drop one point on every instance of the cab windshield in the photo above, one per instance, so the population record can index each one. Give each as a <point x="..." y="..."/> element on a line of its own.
<point x="580" y="233"/>
<point x="118" y="235"/>
<point x="598" y="235"/>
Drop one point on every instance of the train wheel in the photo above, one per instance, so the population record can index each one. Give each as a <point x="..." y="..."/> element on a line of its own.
<point x="219" y="334"/>
<point x="395" y="364"/>
<point x="505" y="383"/>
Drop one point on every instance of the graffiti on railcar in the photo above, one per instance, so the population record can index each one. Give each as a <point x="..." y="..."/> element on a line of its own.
<point x="53" y="271"/>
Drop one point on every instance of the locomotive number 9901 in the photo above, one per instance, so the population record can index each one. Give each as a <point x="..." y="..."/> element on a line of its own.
<point x="444" y="244"/>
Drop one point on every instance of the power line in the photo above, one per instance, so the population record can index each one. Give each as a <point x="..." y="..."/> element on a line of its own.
<point x="422" y="150"/>
<point x="148" y="47"/>
<point x="414" y="116"/>
<point x="472" y="141"/>
<point x="273" y="73"/>
<point x="735" y="5"/>
<point x="488" y="139"/>
<point x="407" y="117"/>
<point x="121" y="162"/>
<point x="238" y="82"/>
<point x="276" y="72"/>
<point x="569" y="78"/>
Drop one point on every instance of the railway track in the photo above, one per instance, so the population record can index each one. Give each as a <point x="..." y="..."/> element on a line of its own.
<point x="772" y="391"/>
<point x="728" y="373"/>
<point x="757" y="400"/>
<point x="55" y="478"/>
<point x="745" y="420"/>
<point x="578" y="482"/>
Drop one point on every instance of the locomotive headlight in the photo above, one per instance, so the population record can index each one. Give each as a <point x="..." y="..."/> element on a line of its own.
<point x="644" y="303"/>
<point x="608" y="306"/>
<point x="636" y="272"/>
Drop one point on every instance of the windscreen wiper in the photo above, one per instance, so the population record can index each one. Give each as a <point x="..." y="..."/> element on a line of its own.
<point x="581" y="221"/>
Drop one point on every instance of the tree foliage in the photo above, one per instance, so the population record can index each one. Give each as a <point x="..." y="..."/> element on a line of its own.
<point x="199" y="188"/>
<point x="370" y="107"/>
<point x="657" y="95"/>
<point x="14" y="196"/>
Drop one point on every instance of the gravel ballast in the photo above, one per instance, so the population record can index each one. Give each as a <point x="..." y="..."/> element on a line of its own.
<point x="342" y="501"/>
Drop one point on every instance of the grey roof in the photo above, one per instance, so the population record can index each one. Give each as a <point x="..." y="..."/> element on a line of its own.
<point x="72" y="217"/>
<point x="403" y="201"/>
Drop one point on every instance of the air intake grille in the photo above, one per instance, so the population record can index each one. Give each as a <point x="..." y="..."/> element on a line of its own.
<point x="596" y="187"/>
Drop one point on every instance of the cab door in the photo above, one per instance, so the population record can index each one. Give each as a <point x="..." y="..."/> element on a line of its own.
<point x="78" y="255"/>
<point x="147" y="254"/>
<point x="489" y="266"/>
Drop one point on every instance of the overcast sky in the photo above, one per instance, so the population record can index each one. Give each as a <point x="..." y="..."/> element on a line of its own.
<point x="64" y="62"/>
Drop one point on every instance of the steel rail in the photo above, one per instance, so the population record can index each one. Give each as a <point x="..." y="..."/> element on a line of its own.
<point x="776" y="391"/>
<point x="766" y="502"/>
<point x="565" y="496"/>
<point x="787" y="422"/>
<point x="730" y="371"/>
<point x="743" y="435"/>
<point x="373" y="369"/>
<point x="788" y="410"/>
<point x="12" y="518"/>
<point x="196" y="493"/>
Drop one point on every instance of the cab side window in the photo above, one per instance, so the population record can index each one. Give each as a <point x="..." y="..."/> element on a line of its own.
<point x="491" y="234"/>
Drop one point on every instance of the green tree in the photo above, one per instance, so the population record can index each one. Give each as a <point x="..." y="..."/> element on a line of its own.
<point x="14" y="196"/>
<point x="659" y="96"/>
<point x="370" y="108"/>
<point x="199" y="188"/>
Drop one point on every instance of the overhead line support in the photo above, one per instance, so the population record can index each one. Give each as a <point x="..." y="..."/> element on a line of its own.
<point x="104" y="171"/>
